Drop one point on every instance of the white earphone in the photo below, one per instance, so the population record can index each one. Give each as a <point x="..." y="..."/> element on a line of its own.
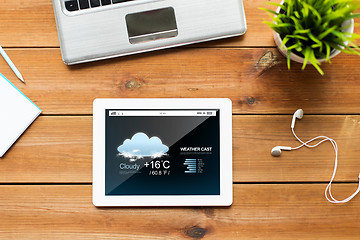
<point x="276" y="152"/>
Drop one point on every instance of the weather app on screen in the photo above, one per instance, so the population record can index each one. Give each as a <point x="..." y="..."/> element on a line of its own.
<point x="162" y="152"/>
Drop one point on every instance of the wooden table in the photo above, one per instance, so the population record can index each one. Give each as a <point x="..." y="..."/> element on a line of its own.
<point x="45" y="190"/>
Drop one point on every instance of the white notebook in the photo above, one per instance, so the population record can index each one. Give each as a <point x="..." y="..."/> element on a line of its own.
<point x="17" y="112"/>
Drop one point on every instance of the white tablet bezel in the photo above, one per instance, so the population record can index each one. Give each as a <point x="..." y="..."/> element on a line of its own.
<point x="226" y="194"/>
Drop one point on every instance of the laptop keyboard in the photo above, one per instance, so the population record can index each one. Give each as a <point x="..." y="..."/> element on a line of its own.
<point x="75" y="5"/>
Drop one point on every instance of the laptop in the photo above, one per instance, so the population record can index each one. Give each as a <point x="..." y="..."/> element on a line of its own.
<point x="162" y="152"/>
<point x="92" y="30"/>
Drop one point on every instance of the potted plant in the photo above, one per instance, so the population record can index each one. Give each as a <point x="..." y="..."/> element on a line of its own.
<point x="314" y="31"/>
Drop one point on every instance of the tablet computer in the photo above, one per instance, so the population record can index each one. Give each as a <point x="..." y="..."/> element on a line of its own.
<point x="162" y="152"/>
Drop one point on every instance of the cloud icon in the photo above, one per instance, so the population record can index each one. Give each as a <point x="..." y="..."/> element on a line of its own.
<point x="140" y="145"/>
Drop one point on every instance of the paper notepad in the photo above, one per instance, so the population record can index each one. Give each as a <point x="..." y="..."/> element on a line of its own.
<point x="17" y="112"/>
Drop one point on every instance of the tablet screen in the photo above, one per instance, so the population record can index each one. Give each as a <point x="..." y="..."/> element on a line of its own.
<point x="162" y="152"/>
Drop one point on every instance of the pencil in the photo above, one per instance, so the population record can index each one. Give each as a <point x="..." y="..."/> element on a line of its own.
<point x="11" y="64"/>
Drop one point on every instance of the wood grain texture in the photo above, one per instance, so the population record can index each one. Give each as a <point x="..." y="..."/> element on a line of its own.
<point x="255" y="136"/>
<point x="243" y="75"/>
<point x="53" y="149"/>
<point x="59" y="149"/>
<point x="258" y="212"/>
<point x="27" y="23"/>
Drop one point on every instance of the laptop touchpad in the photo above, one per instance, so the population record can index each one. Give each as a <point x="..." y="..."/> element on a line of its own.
<point x="151" y="25"/>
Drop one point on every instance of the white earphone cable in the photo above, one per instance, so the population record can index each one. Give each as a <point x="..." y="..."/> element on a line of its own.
<point x="328" y="194"/>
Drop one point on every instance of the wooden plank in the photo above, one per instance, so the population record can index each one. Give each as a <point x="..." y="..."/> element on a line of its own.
<point x="239" y="74"/>
<point x="255" y="136"/>
<point x="53" y="149"/>
<point x="258" y="212"/>
<point x="48" y="153"/>
<point x="28" y="23"/>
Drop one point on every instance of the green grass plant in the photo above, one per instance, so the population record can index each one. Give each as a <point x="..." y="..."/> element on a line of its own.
<point x="313" y="28"/>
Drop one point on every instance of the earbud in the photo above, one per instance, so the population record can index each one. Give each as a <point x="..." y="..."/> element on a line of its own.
<point x="276" y="151"/>
<point x="298" y="114"/>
